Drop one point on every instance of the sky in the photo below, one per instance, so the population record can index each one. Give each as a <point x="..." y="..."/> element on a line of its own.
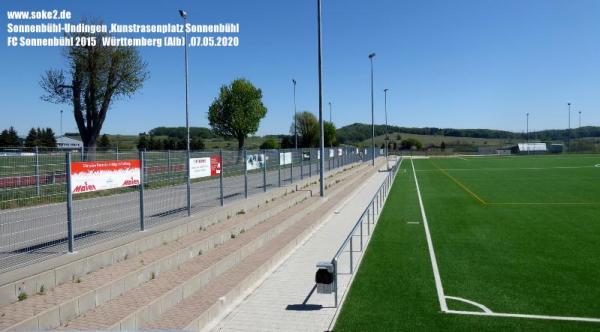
<point x="451" y="64"/>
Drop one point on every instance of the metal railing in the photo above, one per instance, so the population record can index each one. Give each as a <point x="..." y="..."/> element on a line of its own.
<point x="40" y="219"/>
<point x="366" y="218"/>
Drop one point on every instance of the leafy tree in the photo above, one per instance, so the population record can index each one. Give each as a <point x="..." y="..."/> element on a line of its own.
<point x="142" y="142"/>
<point x="237" y="112"/>
<point x="269" y="144"/>
<point x="104" y="142"/>
<point x="196" y="144"/>
<point x="181" y="132"/>
<point x="443" y="146"/>
<point x="287" y="142"/>
<point x="96" y="76"/>
<point x="408" y="143"/>
<point x="33" y="138"/>
<point x="329" y="134"/>
<point x="307" y="126"/>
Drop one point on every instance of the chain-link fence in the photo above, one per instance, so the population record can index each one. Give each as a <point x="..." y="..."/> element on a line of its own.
<point x="45" y="212"/>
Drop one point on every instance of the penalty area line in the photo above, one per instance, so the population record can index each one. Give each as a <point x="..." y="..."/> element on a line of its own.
<point x="434" y="266"/>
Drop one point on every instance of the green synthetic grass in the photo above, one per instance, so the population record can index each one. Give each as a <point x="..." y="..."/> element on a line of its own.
<point x="516" y="234"/>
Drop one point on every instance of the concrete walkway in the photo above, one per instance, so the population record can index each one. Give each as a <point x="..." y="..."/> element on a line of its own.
<point x="276" y="304"/>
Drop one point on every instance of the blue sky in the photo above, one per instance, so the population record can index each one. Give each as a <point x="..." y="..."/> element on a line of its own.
<point x="461" y="64"/>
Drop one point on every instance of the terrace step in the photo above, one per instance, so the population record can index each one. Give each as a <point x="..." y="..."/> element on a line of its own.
<point x="140" y="305"/>
<point x="195" y="312"/>
<point x="58" y="305"/>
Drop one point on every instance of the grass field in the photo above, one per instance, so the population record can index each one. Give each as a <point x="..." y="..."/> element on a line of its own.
<point x="514" y="245"/>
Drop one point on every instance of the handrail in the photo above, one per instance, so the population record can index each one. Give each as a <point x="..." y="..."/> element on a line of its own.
<point x="366" y="210"/>
<point x="384" y="189"/>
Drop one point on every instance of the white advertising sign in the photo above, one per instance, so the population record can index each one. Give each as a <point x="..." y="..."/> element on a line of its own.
<point x="340" y="151"/>
<point x="331" y="153"/>
<point x="285" y="158"/>
<point x="255" y="161"/>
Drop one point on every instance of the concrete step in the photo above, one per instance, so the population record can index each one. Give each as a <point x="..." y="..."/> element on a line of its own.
<point x="59" y="305"/>
<point x="155" y="296"/>
<point x="195" y="312"/>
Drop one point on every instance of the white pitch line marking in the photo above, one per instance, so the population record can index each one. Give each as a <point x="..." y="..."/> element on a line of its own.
<point x="510" y="315"/>
<point x="434" y="266"/>
<point x="413" y="222"/>
<point x="597" y="165"/>
<point x="473" y="303"/>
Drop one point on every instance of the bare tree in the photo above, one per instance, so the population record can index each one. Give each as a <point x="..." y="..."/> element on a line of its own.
<point x="97" y="75"/>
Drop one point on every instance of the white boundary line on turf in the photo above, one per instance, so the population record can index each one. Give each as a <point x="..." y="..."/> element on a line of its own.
<point x="473" y="303"/>
<point x="542" y="317"/>
<point x="434" y="266"/>
<point x="440" y="289"/>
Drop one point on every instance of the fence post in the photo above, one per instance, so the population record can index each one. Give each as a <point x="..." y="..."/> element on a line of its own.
<point x="70" y="236"/>
<point x="189" y="185"/>
<point x="292" y="168"/>
<point x="142" y="183"/>
<point x="369" y="220"/>
<point x="373" y="209"/>
<point x="279" y="166"/>
<point x="245" y="174"/>
<point x="361" y="233"/>
<point x="169" y="161"/>
<point x="265" y="170"/>
<point x="351" y="254"/>
<point x="301" y="164"/>
<point x="37" y="171"/>
<point x="221" y="176"/>
<point x="117" y="152"/>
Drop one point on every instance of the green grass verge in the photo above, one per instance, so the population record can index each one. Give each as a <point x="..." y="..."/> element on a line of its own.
<point x="529" y="259"/>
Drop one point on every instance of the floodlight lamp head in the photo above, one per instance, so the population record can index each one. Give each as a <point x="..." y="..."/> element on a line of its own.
<point x="385" y="90"/>
<point x="183" y="14"/>
<point x="371" y="56"/>
<point x="294" y="81"/>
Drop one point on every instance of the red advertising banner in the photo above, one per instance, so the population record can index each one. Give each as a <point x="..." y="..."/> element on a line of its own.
<point x="215" y="165"/>
<point x="87" y="176"/>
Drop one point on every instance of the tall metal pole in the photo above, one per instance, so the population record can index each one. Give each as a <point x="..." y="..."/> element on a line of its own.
<point x="330" y="118"/>
<point x="322" y="136"/>
<point x="579" y="119"/>
<point x="371" y="56"/>
<point x="527" y="132"/>
<point x="569" y="130"/>
<point x="61" y="122"/>
<point x="295" y="125"/>
<point x="387" y="137"/>
<point x="183" y="15"/>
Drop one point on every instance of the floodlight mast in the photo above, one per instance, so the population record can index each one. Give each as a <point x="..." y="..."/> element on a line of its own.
<point x="322" y="136"/>
<point x="527" y="132"/>
<point x="371" y="56"/>
<point x="387" y="135"/>
<point x="569" y="130"/>
<point x="183" y="15"/>
<point x="295" y="116"/>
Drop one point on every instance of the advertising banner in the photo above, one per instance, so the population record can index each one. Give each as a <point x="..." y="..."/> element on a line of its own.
<point x="204" y="167"/>
<point x="285" y="158"/>
<point x="331" y="153"/>
<point x="255" y="161"/>
<point x="340" y="152"/>
<point x="88" y="176"/>
<point x="305" y="156"/>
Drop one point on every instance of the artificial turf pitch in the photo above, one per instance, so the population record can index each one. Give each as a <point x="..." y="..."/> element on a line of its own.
<point x="518" y="235"/>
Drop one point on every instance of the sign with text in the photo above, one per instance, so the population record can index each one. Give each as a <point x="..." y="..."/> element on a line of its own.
<point x="285" y="158"/>
<point x="255" y="161"/>
<point x="88" y="176"/>
<point x="204" y="167"/>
